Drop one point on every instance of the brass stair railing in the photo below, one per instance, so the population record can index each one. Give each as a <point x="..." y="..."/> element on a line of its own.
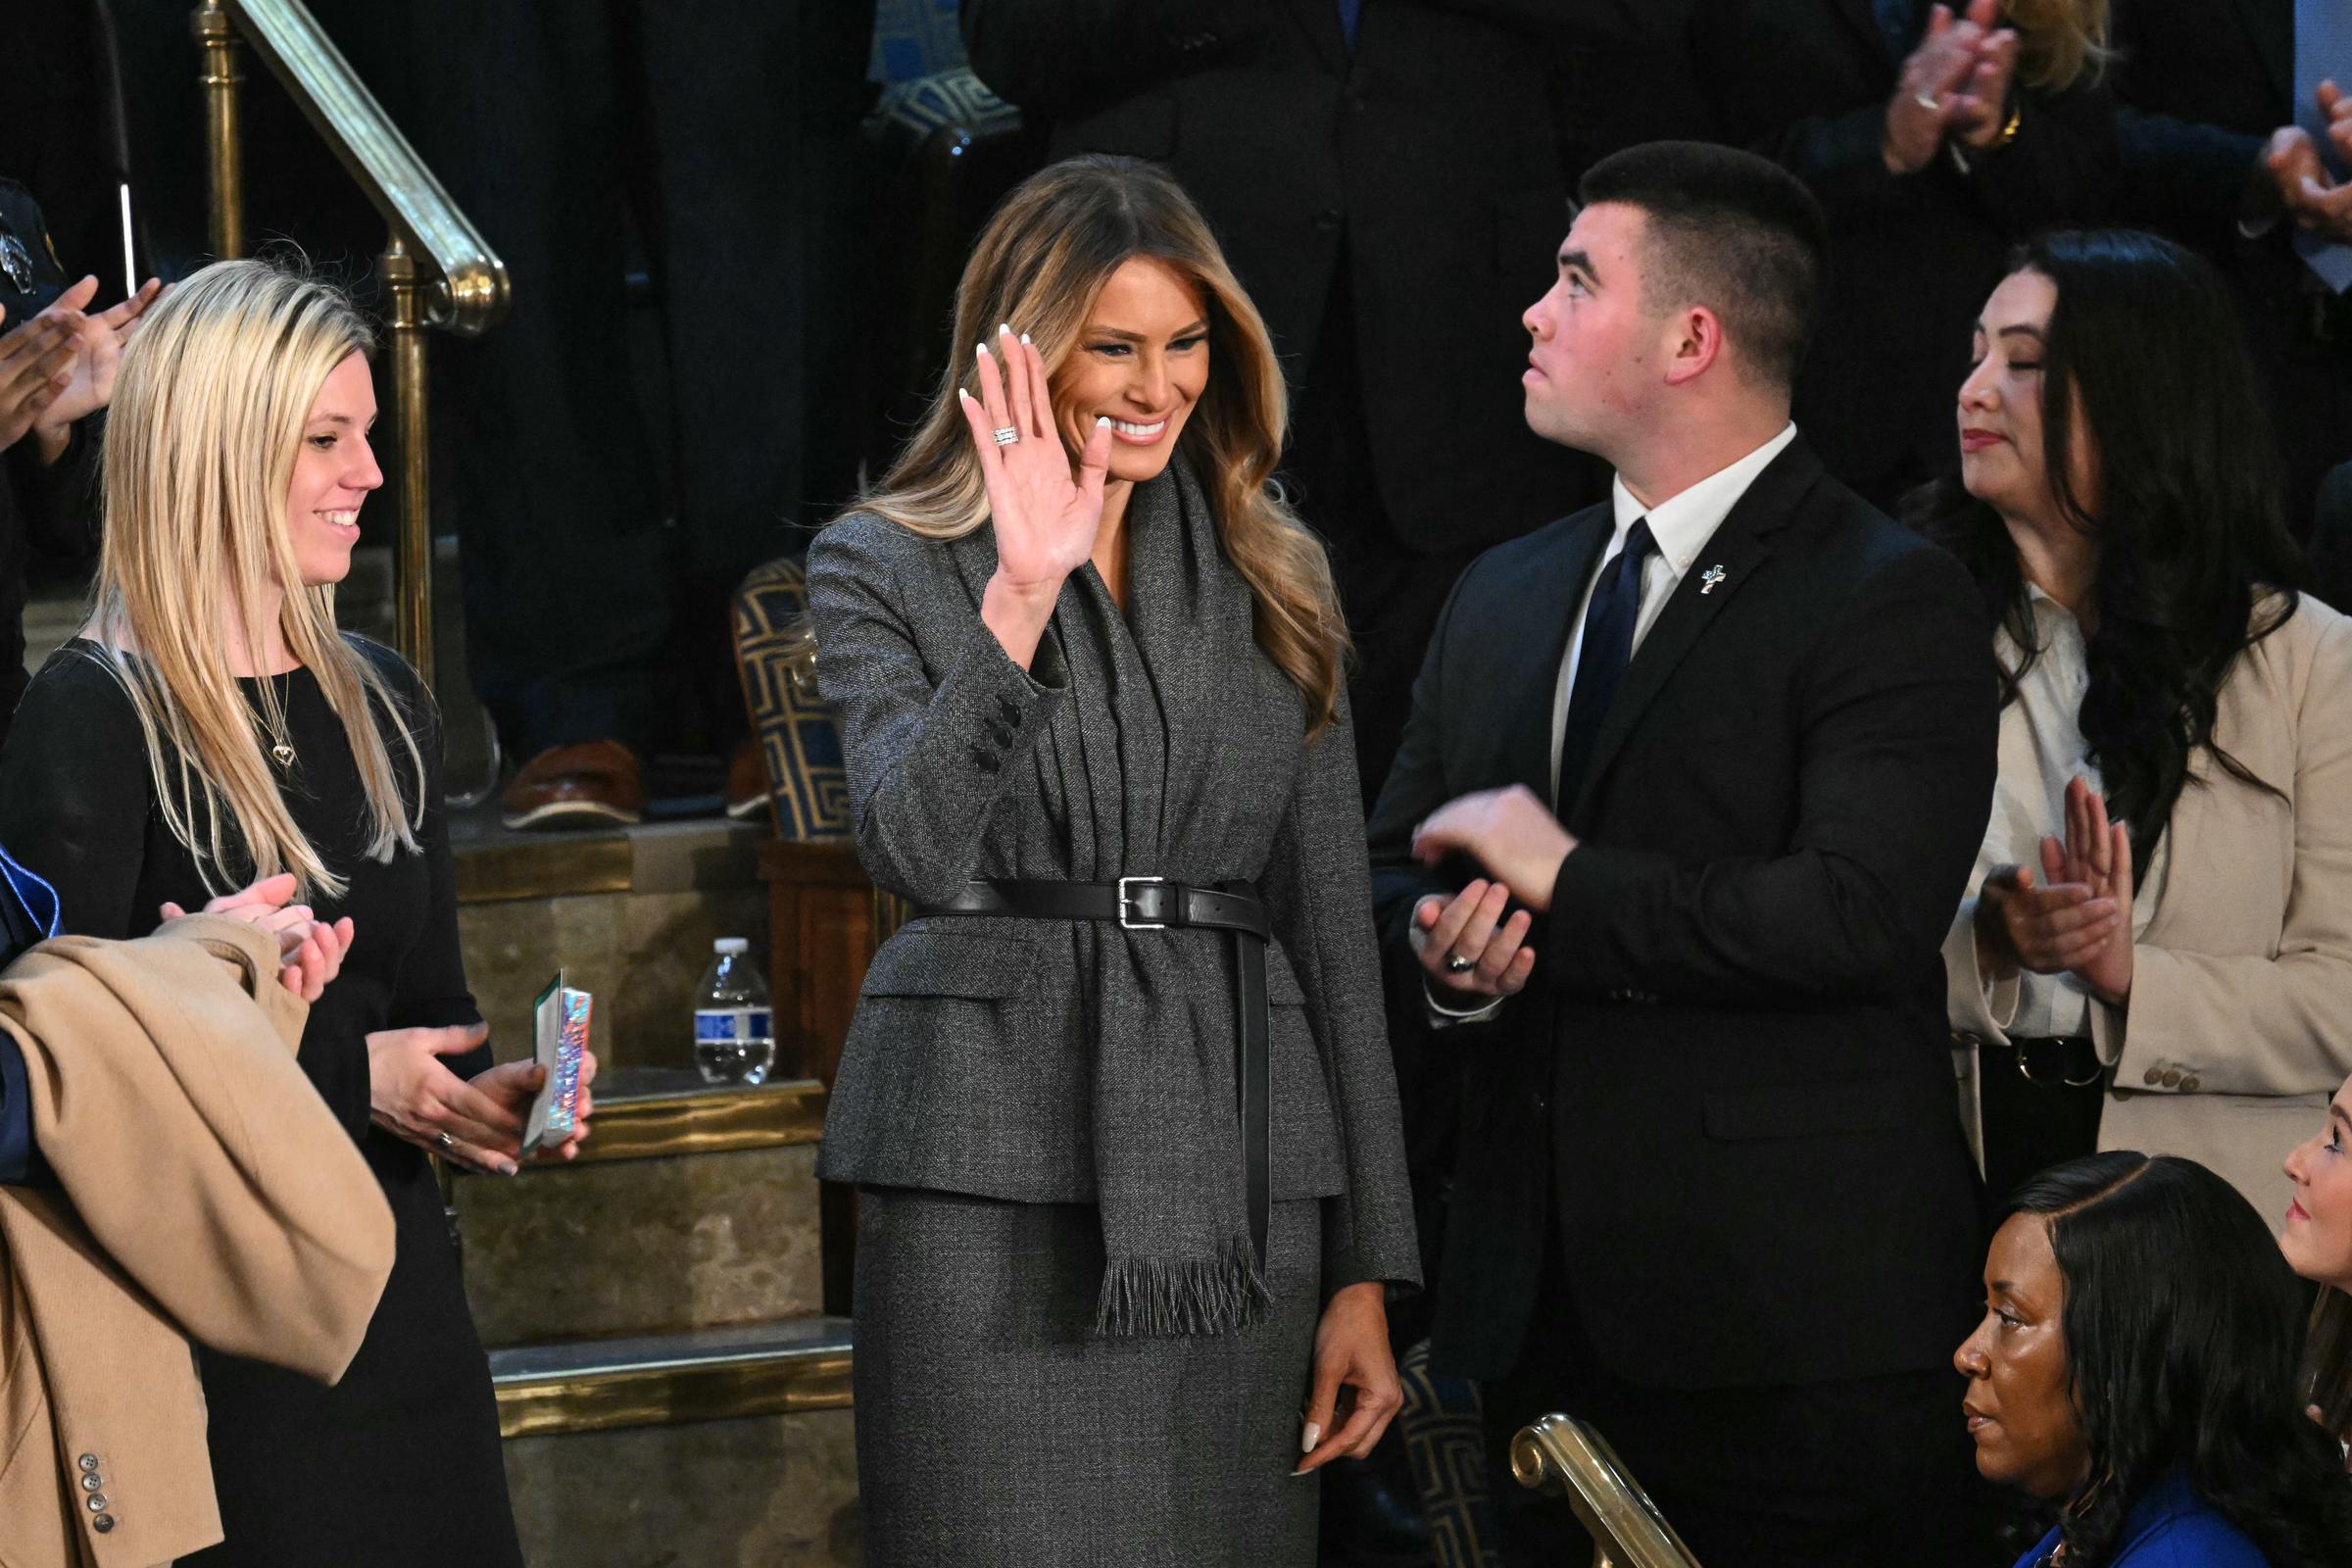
<point x="437" y="270"/>
<point x="1560" y="1453"/>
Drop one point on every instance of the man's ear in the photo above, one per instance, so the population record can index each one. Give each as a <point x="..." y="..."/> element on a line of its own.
<point x="1693" y="343"/>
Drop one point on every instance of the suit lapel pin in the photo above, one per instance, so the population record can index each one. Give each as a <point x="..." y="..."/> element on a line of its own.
<point x="1708" y="579"/>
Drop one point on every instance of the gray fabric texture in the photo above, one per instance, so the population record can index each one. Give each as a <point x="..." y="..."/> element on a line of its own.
<point x="1076" y="1061"/>
<point x="996" y="1428"/>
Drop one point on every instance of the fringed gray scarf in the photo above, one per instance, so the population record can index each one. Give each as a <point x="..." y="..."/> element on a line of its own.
<point x="1145" y="688"/>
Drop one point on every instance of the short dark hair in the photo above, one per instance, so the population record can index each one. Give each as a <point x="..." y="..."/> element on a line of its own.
<point x="2182" y="1321"/>
<point x="1730" y="230"/>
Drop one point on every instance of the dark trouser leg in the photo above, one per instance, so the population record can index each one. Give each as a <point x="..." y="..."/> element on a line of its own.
<point x="549" y="472"/>
<point x="1865" y="1471"/>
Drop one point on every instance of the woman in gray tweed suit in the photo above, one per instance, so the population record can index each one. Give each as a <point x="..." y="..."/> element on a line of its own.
<point x="1118" y="1101"/>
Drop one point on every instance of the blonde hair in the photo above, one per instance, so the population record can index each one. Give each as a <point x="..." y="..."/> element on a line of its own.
<point x="2060" y="43"/>
<point x="206" y="422"/>
<point x="1041" y="262"/>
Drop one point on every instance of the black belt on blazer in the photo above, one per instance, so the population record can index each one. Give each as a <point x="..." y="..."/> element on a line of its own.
<point x="1156" y="904"/>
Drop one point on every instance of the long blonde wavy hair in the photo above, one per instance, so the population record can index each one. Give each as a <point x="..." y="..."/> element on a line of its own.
<point x="207" y="420"/>
<point x="2060" y="43"/>
<point x="1041" y="262"/>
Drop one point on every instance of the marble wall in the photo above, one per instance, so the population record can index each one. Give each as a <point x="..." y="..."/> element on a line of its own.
<point x="642" y="1246"/>
<point x="758" y="1492"/>
<point x="641" y="954"/>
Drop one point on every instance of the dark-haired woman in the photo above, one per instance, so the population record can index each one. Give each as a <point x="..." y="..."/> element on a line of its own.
<point x="2318" y="1244"/>
<point x="2135" y="1367"/>
<point x="1119" y="1098"/>
<point x="2158" y="947"/>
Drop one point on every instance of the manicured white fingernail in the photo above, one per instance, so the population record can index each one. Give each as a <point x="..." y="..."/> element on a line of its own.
<point x="1314" y="1435"/>
<point x="961" y="393"/>
<point x="1024" y="337"/>
<point x="1003" y="329"/>
<point x="980" y="350"/>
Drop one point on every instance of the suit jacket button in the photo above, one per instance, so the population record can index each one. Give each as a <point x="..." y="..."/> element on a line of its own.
<point x="96" y="1503"/>
<point x="103" y="1523"/>
<point x="2154" y="1076"/>
<point x="1328" y="220"/>
<point x="91" y="1482"/>
<point x="88" y="1461"/>
<point x="2189" y="1084"/>
<point x="2172" y="1078"/>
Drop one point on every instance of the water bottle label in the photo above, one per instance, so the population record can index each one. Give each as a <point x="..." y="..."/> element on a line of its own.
<point x="726" y="1025"/>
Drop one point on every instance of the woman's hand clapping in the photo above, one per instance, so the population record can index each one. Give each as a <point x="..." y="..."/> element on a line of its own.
<point x="310" y="951"/>
<point x="2078" y="920"/>
<point x="1043" y="513"/>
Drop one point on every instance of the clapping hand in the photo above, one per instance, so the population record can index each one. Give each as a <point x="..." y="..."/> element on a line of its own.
<point x="36" y="364"/>
<point x="1510" y="831"/>
<point x="2078" y="921"/>
<point x="1470" y="928"/>
<point x="1955" y="83"/>
<point x="1044" y="512"/>
<point x="2096" y="855"/>
<point x="2312" y="196"/>
<point x="310" y="952"/>
<point x="98" y="343"/>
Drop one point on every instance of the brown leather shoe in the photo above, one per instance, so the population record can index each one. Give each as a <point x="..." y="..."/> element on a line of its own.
<point x="592" y="784"/>
<point x="747" y="782"/>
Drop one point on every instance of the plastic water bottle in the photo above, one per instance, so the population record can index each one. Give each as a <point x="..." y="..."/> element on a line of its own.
<point x="734" y="1032"/>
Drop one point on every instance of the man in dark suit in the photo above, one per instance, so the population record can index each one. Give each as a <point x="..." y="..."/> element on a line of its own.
<point x="1385" y="180"/>
<point x="1713" y="1195"/>
<point x="2212" y="155"/>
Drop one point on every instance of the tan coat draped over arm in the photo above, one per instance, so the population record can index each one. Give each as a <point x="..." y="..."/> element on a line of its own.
<point x="205" y="1193"/>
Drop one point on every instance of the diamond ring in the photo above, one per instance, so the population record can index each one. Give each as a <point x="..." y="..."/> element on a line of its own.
<point x="1455" y="963"/>
<point x="1006" y="435"/>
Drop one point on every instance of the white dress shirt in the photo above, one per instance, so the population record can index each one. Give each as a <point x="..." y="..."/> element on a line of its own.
<point x="2042" y="749"/>
<point x="1683" y="524"/>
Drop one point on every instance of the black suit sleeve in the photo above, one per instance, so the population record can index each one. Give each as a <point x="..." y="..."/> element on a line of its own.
<point x="1049" y="56"/>
<point x="1899" y="713"/>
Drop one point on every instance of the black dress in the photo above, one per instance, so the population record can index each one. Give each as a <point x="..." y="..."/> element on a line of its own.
<point x="399" y="1463"/>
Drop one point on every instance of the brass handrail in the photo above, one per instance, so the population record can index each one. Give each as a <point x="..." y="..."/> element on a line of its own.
<point x="437" y="269"/>
<point x="1627" y="1529"/>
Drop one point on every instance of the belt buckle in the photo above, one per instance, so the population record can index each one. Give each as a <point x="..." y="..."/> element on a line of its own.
<point x="1127" y="904"/>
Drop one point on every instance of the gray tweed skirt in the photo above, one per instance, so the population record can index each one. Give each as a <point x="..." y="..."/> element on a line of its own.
<point x="994" y="1428"/>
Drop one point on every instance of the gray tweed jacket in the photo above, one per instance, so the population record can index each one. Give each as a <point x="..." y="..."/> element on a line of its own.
<point x="1160" y="743"/>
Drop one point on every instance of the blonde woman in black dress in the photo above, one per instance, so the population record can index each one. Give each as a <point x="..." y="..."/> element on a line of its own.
<point x="211" y="726"/>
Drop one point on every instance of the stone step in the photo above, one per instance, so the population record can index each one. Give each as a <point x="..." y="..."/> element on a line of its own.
<point x="729" y="1448"/>
<point x="627" y="915"/>
<point x="690" y="1206"/>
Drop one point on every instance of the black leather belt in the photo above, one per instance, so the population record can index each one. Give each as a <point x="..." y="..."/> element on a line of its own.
<point x="2055" y="1061"/>
<point x="1156" y="904"/>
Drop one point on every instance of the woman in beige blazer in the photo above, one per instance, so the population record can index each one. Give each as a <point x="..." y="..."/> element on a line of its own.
<point x="2176" y="979"/>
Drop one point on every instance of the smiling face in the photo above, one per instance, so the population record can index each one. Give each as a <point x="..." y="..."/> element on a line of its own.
<point x="1594" y="364"/>
<point x="2018" y="1406"/>
<point x="2003" y="459"/>
<point x="1141" y="360"/>
<point x="2317" y="1240"/>
<point x="333" y="472"/>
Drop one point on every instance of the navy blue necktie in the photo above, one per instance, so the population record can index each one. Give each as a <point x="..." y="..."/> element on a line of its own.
<point x="1351" y="13"/>
<point x="2323" y="52"/>
<point x="1600" y="660"/>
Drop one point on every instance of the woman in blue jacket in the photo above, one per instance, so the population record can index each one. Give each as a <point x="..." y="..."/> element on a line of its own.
<point x="2137" y="1367"/>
